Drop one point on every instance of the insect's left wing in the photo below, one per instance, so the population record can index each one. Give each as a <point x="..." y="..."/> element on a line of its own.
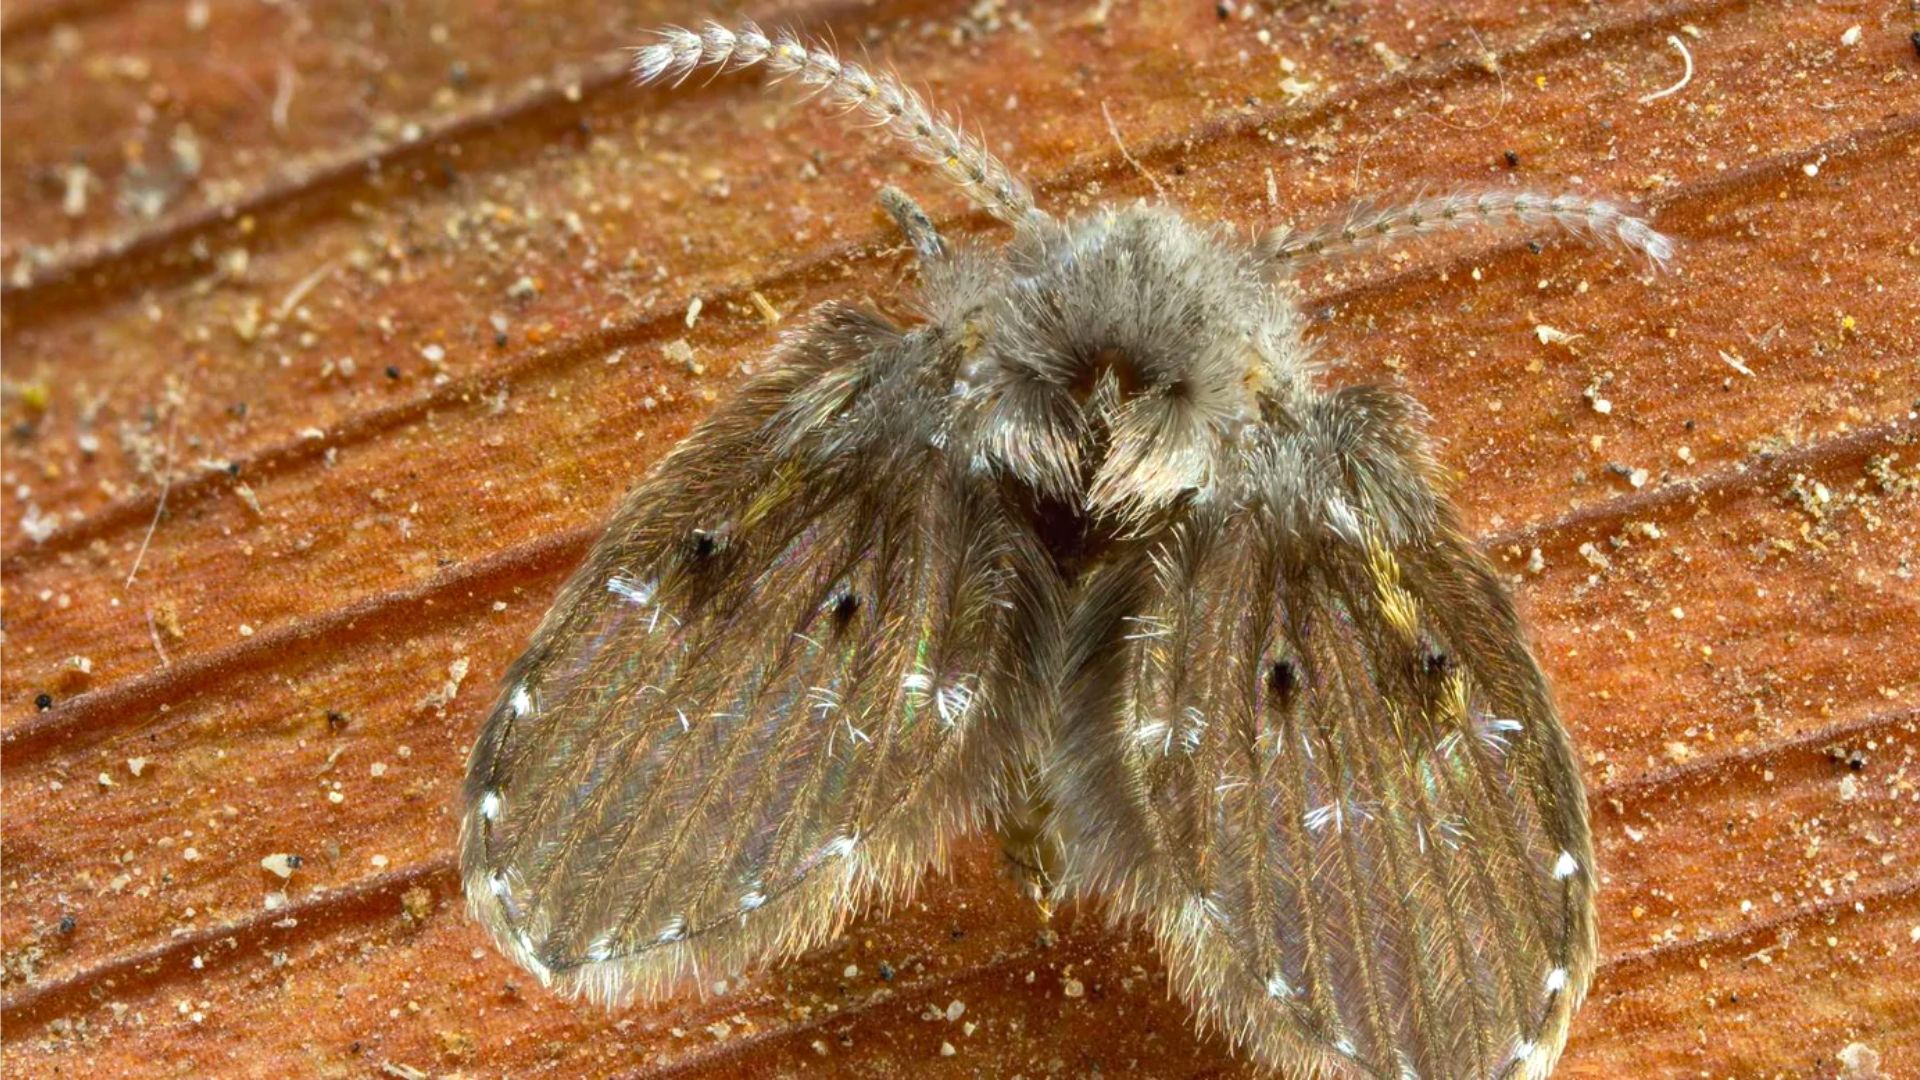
<point x="1307" y="744"/>
<point x="771" y="694"/>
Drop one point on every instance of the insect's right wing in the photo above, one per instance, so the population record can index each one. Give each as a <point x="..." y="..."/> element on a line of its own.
<point x="772" y="693"/>
<point x="1306" y="743"/>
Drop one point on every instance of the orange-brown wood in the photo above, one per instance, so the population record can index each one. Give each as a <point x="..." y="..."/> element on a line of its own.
<point x="347" y="325"/>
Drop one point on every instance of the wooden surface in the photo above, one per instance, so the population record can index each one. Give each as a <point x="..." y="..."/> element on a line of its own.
<point x="392" y="295"/>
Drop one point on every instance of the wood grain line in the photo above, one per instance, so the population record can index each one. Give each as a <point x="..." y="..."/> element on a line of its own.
<point x="376" y="896"/>
<point x="663" y="318"/>
<point x="1835" y="906"/>
<point x="1858" y="903"/>
<point x="112" y="706"/>
<point x="91" y="272"/>
<point x="100" y="710"/>
<point x="1642" y="787"/>
<point x="372" y="896"/>
<point x="151" y="254"/>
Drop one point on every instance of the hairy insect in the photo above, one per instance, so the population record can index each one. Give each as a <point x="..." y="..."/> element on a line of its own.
<point x="1086" y="557"/>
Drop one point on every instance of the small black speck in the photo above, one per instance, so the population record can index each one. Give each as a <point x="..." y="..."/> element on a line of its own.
<point x="1688" y="425"/>
<point x="1180" y="169"/>
<point x="1513" y="159"/>
<point x="956" y="933"/>
<point x="393" y="371"/>
<point x="1223" y="10"/>
<point x="1436" y="662"/>
<point x="67" y="924"/>
<point x="500" y="339"/>
<point x="1915" y="39"/>
<point x="1854" y="759"/>
<point x="337" y="720"/>
<point x="703" y="544"/>
<point x="233" y="468"/>
<point x="1282" y="677"/>
<point x="1536" y="246"/>
<point x="353" y="1047"/>
<point x="886" y="972"/>
<point x="845" y="605"/>
<point x="43" y="702"/>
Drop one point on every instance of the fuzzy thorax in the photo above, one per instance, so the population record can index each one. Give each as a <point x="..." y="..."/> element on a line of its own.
<point x="1114" y="362"/>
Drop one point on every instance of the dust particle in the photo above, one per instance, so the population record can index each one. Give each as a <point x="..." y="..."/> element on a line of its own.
<point x="456" y="1044"/>
<point x="281" y="864"/>
<point x="1859" y="1062"/>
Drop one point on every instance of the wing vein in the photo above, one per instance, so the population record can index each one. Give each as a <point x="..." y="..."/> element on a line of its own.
<point x="1373" y="984"/>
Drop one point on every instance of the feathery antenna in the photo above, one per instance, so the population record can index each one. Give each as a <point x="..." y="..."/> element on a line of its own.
<point x="881" y="97"/>
<point x="1366" y="227"/>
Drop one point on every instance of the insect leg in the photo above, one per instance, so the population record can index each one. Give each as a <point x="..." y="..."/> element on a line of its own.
<point x="1029" y="842"/>
<point x="914" y="222"/>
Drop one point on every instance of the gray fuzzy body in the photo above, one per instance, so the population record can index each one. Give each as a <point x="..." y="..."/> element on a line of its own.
<point x="1087" y="556"/>
<point x="1115" y="365"/>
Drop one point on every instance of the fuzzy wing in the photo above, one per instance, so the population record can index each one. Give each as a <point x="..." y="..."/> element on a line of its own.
<point x="766" y="698"/>
<point x="1309" y="746"/>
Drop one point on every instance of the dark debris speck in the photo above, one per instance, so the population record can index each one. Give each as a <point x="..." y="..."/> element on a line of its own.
<point x="1853" y="758"/>
<point x="43" y="702"/>
<point x="845" y="605"/>
<point x="1282" y="676"/>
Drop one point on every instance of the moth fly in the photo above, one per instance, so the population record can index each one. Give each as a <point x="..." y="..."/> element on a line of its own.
<point x="1087" y="557"/>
